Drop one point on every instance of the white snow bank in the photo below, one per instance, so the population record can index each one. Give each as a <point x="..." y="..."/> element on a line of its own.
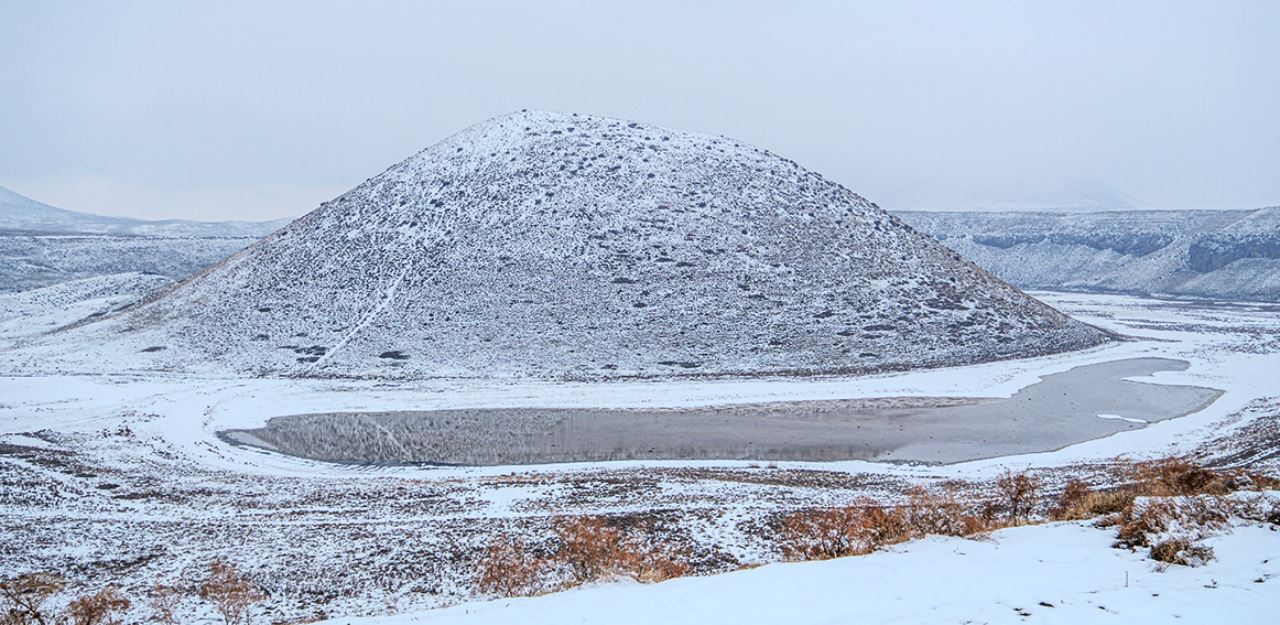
<point x="1060" y="573"/>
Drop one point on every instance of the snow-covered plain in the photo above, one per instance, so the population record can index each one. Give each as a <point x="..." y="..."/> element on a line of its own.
<point x="122" y="477"/>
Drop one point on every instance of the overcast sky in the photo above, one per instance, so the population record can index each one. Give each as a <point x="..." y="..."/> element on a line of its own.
<point x="255" y="110"/>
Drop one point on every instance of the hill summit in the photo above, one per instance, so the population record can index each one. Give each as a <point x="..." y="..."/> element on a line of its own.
<point x="553" y="245"/>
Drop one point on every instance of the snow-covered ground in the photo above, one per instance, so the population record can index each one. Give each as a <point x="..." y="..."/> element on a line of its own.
<point x="1059" y="573"/>
<point x="122" y="479"/>
<point x="1230" y="348"/>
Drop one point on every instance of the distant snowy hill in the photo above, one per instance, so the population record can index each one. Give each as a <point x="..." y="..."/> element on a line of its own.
<point x="46" y="309"/>
<point x="41" y="245"/>
<point x="550" y="245"/>
<point x="21" y="213"/>
<point x="32" y="261"/>
<point x="1208" y="254"/>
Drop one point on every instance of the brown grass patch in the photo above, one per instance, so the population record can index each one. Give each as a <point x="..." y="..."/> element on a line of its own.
<point x="511" y="569"/>
<point x="1181" y="551"/>
<point x="585" y="549"/>
<point x="867" y="525"/>
<point x="941" y="513"/>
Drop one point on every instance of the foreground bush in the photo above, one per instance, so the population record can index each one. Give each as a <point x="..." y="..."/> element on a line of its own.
<point x="1079" y="501"/>
<point x="510" y="569"/>
<point x="25" y="597"/>
<point x="942" y="514"/>
<point x="584" y="549"/>
<point x="1019" y="493"/>
<point x="105" y="607"/>
<point x="232" y="595"/>
<point x="867" y="526"/>
<point x="1182" y="551"/>
<point x="838" y="532"/>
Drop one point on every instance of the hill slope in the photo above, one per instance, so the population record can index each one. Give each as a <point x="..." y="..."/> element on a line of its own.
<point x="34" y="261"/>
<point x="36" y="311"/>
<point x="1212" y="254"/>
<point x="549" y="245"/>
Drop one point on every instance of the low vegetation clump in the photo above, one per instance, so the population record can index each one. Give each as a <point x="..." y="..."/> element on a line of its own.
<point x="1166" y="506"/>
<point x="868" y="525"/>
<point x="25" y="597"/>
<point x="1078" y="501"/>
<point x="1174" y="504"/>
<point x="1181" y="551"/>
<point x="232" y="595"/>
<point x="941" y="513"/>
<point x="105" y="607"/>
<point x="1019" y="493"/>
<point x="584" y="549"/>
<point x="845" y="531"/>
<point x="24" y="600"/>
<point x="511" y="569"/>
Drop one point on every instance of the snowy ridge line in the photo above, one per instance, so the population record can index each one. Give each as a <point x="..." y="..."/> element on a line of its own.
<point x="1204" y="254"/>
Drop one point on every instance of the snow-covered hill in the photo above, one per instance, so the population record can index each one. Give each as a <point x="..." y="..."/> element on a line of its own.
<point x="41" y="245"/>
<point x="1212" y="254"/>
<point x="551" y="245"/>
<point x="27" y="216"/>
<point x="37" y="311"/>
<point x="32" y="261"/>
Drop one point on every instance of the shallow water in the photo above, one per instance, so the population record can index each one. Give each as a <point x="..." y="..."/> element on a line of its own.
<point x="1060" y="410"/>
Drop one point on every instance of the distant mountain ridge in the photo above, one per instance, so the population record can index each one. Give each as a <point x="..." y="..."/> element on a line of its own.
<point x="22" y="214"/>
<point x="1227" y="254"/>
<point x="42" y="245"/>
<point x="549" y="245"/>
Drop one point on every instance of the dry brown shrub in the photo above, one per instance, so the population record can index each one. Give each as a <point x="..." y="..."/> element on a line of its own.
<point x="512" y="570"/>
<point x="1142" y="519"/>
<point x="24" y="597"/>
<point x="940" y="513"/>
<point x="823" y="534"/>
<point x="165" y="602"/>
<point x="1262" y="481"/>
<point x="1071" y="502"/>
<point x="660" y="565"/>
<point x="232" y="595"/>
<point x="1109" y="501"/>
<point x="1141" y="522"/>
<point x="838" y="532"/>
<point x="1181" y="551"/>
<point x="591" y="549"/>
<point x="1175" y="476"/>
<point x="1078" y="501"/>
<point x="586" y="549"/>
<point x="1018" y="493"/>
<point x="102" y="608"/>
<point x="885" y="526"/>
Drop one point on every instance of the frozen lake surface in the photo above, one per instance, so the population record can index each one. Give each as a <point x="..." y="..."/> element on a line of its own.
<point x="1081" y="404"/>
